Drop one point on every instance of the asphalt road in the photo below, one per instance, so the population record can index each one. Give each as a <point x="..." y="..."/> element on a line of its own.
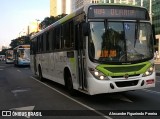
<point x="21" y="90"/>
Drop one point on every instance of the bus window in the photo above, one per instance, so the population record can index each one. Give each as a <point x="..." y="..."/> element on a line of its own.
<point x="42" y="48"/>
<point x="50" y="40"/>
<point x="44" y="42"/>
<point x="66" y="37"/>
<point x="57" y="38"/>
<point x="47" y="41"/>
<point x="54" y="39"/>
<point x="71" y="29"/>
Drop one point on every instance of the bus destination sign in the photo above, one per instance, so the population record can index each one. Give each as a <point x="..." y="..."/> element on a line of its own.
<point x="118" y="12"/>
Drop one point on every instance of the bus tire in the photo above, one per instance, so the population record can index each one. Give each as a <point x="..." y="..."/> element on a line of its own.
<point x="69" y="83"/>
<point x="40" y="74"/>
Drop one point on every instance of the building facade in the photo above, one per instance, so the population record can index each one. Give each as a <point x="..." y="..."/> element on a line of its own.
<point x="58" y="7"/>
<point x="79" y="3"/>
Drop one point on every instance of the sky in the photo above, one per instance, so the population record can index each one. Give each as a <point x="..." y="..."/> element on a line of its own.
<point x="17" y="15"/>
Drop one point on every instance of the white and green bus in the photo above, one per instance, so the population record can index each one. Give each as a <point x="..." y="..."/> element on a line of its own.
<point x="9" y="56"/>
<point x="100" y="48"/>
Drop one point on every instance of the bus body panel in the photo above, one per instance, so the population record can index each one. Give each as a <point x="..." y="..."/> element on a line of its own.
<point x="97" y="87"/>
<point x="53" y="65"/>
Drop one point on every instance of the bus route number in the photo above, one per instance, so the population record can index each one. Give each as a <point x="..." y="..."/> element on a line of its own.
<point x="99" y="11"/>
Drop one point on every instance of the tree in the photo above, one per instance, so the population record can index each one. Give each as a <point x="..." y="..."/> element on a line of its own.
<point x="20" y="41"/>
<point x="50" y="20"/>
<point x="46" y="22"/>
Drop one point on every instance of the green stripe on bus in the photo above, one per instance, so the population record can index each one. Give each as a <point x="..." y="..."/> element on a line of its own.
<point x="66" y="18"/>
<point x="121" y="70"/>
<point x="72" y="62"/>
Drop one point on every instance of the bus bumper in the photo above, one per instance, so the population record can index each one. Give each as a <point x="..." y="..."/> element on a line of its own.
<point x="120" y="85"/>
<point x="24" y="63"/>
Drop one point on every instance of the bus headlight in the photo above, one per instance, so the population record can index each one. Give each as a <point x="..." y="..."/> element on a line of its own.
<point x="98" y="75"/>
<point x="149" y="71"/>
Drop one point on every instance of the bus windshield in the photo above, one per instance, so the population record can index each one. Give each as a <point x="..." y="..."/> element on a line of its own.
<point x="120" y="41"/>
<point x="9" y="54"/>
<point x="24" y="53"/>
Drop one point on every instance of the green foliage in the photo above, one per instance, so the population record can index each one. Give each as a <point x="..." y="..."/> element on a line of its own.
<point x="20" y="41"/>
<point x="50" y="20"/>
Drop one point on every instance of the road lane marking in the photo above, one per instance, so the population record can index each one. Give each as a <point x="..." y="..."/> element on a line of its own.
<point x="19" y="70"/>
<point x="151" y="91"/>
<point x="19" y="91"/>
<point x="86" y="106"/>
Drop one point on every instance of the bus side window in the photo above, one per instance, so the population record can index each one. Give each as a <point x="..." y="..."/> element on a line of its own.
<point x="37" y="45"/>
<point x="58" y="39"/>
<point x="54" y="39"/>
<point x="51" y="40"/>
<point x="71" y="29"/>
<point x="47" y="41"/>
<point x="33" y="46"/>
<point x="42" y="47"/>
<point x="65" y="39"/>
<point x="44" y="42"/>
<point x="40" y="39"/>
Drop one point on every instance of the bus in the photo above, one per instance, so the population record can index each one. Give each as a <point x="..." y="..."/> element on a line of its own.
<point x="100" y="48"/>
<point x="9" y="56"/>
<point x="2" y="57"/>
<point x="21" y="55"/>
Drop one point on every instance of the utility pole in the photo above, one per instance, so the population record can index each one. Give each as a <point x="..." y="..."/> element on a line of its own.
<point x="28" y="30"/>
<point x="150" y="10"/>
<point x="141" y="3"/>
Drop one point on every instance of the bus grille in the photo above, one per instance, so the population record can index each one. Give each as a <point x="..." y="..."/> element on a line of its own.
<point x="123" y="76"/>
<point x="127" y="83"/>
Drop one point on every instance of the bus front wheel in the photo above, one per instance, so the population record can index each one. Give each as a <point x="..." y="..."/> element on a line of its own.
<point x="69" y="83"/>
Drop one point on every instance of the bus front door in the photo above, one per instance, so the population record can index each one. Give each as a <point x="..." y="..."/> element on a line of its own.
<point x="81" y="57"/>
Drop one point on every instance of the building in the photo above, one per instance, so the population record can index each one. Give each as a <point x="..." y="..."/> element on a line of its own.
<point x="79" y="3"/>
<point x="33" y="27"/>
<point x="58" y="7"/>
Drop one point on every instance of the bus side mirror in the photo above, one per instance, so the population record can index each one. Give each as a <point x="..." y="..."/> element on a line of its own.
<point x="86" y="28"/>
